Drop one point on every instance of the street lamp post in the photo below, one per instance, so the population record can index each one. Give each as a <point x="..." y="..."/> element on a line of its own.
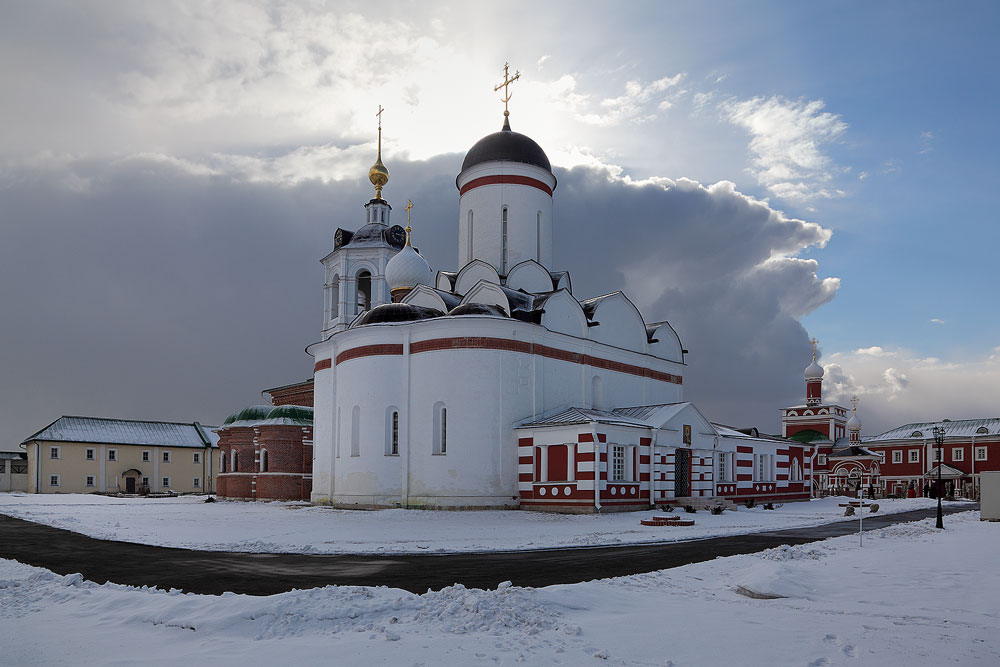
<point x="938" y="432"/>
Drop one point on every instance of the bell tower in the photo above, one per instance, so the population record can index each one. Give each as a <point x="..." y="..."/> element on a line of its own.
<point x="814" y="379"/>
<point x="815" y="420"/>
<point x="854" y="424"/>
<point x="354" y="273"/>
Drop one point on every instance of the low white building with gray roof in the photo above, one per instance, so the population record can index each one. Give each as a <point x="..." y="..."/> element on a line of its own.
<point x="98" y="455"/>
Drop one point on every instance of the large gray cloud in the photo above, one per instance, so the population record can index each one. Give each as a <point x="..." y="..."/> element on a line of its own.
<point x="145" y="288"/>
<point x="714" y="263"/>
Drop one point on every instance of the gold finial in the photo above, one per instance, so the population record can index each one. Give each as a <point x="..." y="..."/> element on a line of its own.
<point x="408" y="207"/>
<point x="854" y="402"/>
<point x="507" y="80"/>
<point x="378" y="174"/>
<point x="814" y="343"/>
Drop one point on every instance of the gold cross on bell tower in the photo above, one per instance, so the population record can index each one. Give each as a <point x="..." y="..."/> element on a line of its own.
<point x="854" y="402"/>
<point x="408" y="208"/>
<point x="507" y="80"/>
<point x="814" y="343"/>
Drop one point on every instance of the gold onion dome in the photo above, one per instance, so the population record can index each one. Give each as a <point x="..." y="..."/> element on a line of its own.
<point x="378" y="174"/>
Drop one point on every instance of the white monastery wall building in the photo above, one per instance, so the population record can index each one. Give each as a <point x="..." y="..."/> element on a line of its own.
<point x="495" y="386"/>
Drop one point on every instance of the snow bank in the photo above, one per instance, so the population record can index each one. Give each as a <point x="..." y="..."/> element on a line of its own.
<point x="888" y="602"/>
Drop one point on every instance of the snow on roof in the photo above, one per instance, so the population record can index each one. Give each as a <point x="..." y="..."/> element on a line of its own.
<point x="851" y="450"/>
<point x="729" y="431"/>
<point x="946" y="471"/>
<point x="952" y="429"/>
<point x="300" y="383"/>
<point x="746" y="434"/>
<point x="126" y="432"/>
<point x="647" y="411"/>
<point x="805" y="406"/>
<point x="591" y="304"/>
<point x="583" y="416"/>
<point x="649" y="416"/>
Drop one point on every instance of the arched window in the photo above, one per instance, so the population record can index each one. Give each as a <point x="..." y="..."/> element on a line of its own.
<point x="356" y="431"/>
<point x="222" y="463"/>
<point x="335" y="298"/>
<point x="440" y="428"/>
<point x="364" y="291"/>
<point x="263" y="460"/>
<point x="469" y="259"/>
<point x="444" y="430"/>
<point x="392" y="432"/>
<point x="503" y="241"/>
<point x="796" y="472"/>
<point x="236" y="462"/>
<point x="538" y="237"/>
<point x="383" y="215"/>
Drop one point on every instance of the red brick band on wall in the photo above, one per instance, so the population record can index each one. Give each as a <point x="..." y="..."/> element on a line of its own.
<point x="486" y="343"/>
<point x="322" y="364"/>
<point x="369" y="351"/>
<point x="508" y="179"/>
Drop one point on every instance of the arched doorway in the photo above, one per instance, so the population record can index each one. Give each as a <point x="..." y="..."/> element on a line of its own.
<point x="132" y="476"/>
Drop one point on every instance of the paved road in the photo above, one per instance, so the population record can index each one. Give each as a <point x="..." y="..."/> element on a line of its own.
<point x="214" y="572"/>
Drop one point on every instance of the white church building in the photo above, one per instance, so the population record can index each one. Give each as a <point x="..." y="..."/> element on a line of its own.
<point x="495" y="386"/>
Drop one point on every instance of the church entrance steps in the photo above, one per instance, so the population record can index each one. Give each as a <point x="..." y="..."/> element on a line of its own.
<point x="704" y="503"/>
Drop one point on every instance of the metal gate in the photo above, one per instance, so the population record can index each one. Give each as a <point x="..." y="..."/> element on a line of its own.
<point x="682" y="473"/>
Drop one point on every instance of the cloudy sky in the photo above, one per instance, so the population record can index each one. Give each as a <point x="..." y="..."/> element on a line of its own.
<point x="757" y="173"/>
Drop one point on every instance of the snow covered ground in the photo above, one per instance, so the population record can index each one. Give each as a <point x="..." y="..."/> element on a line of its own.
<point x="912" y="595"/>
<point x="190" y="523"/>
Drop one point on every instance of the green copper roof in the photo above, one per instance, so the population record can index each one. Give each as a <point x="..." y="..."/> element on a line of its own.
<point x="296" y="413"/>
<point x="809" y="435"/>
<point x="252" y="413"/>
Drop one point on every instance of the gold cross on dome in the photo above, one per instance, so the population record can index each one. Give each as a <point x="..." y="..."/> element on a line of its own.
<point x="814" y="343"/>
<point x="507" y="80"/>
<point x="854" y="402"/>
<point x="408" y="208"/>
<point x="379" y="114"/>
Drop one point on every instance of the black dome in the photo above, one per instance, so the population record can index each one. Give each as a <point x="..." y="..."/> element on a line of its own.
<point x="396" y="312"/>
<point x="478" y="309"/>
<point x="373" y="231"/>
<point x="507" y="145"/>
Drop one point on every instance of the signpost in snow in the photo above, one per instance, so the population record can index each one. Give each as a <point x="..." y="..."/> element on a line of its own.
<point x="861" y="517"/>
